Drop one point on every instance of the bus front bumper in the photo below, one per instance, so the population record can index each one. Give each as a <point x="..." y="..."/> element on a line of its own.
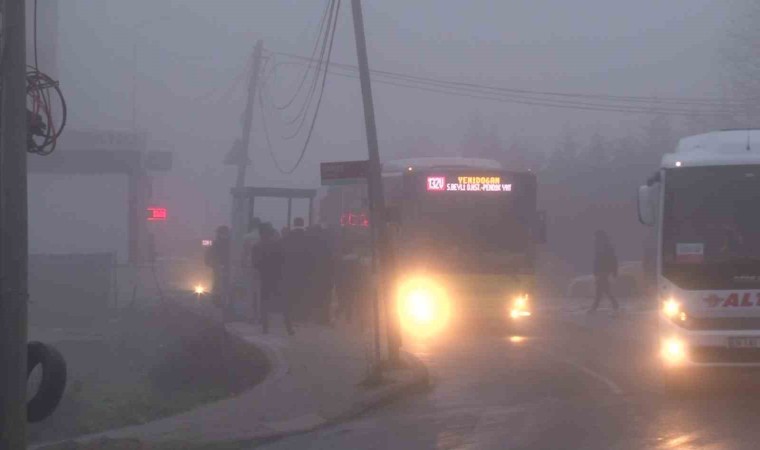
<point x="681" y="347"/>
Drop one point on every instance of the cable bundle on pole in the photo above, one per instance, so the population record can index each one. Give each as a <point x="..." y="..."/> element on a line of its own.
<point x="43" y="132"/>
<point x="326" y="36"/>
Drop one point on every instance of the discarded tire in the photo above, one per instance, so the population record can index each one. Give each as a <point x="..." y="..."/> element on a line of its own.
<point x="53" y="382"/>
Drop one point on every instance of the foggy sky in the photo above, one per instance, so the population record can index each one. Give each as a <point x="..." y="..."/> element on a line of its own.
<point x="190" y="48"/>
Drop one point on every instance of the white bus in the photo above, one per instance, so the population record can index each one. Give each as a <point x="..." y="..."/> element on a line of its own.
<point x="705" y="204"/>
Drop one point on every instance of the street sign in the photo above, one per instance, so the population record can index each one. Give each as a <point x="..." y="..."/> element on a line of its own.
<point x="344" y="172"/>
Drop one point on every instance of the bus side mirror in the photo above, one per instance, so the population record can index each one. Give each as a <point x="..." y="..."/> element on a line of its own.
<point x="541" y="219"/>
<point x="646" y="203"/>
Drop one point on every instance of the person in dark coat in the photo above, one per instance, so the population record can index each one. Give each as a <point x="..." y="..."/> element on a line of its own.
<point x="268" y="261"/>
<point x="218" y="258"/>
<point x="320" y="275"/>
<point x="352" y="280"/>
<point x="297" y="267"/>
<point x="605" y="267"/>
<point x="349" y="284"/>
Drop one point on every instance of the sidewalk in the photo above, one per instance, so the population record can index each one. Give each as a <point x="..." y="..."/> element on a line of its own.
<point x="313" y="381"/>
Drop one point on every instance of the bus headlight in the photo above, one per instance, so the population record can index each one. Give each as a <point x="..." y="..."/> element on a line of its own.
<point x="519" y="307"/>
<point x="673" y="351"/>
<point x="671" y="308"/>
<point x="424" y="307"/>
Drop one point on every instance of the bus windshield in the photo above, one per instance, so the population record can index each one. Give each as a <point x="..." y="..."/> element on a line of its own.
<point x="475" y="231"/>
<point x="710" y="227"/>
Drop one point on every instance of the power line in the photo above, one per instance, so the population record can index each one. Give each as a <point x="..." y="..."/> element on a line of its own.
<point x="329" y="36"/>
<point x="615" y="101"/>
<point x="313" y="53"/>
<point x="677" y="100"/>
<point x="546" y="103"/>
<point x="302" y="113"/>
<point x="539" y="101"/>
<point x="243" y="72"/>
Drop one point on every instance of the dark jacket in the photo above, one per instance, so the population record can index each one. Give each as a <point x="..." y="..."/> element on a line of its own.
<point x="605" y="260"/>
<point x="297" y="260"/>
<point x="218" y="255"/>
<point x="267" y="258"/>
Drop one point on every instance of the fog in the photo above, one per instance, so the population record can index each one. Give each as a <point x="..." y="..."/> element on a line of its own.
<point x="154" y="319"/>
<point x="192" y="58"/>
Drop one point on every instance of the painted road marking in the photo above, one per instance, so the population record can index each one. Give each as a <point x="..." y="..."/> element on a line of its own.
<point x="611" y="384"/>
<point x="614" y="387"/>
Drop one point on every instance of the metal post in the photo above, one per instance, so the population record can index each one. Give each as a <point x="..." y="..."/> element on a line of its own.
<point x="133" y="228"/>
<point x="238" y="217"/>
<point x="311" y="211"/>
<point x="377" y="198"/>
<point x="290" y="212"/>
<point x="13" y="229"/>
<point x="251" y="214"/>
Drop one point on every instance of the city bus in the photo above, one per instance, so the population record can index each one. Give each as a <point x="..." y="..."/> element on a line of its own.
<point x="464" y="234"/>
<point x="703" y="202"/>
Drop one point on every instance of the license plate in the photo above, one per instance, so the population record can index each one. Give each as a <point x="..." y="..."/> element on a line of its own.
<point x="744" y="342"/>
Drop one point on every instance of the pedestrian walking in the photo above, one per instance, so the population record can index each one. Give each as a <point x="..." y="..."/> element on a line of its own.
<point x="320" y="275"/>
<point x="297" y="267"/>
<point x="353" y="278"/>
<point x="348" y="286"/>
<point x="218" y="259"/>
<point x="251" y="289"/>
<point x="605" y="267"/>
<point x="267" y="259"/>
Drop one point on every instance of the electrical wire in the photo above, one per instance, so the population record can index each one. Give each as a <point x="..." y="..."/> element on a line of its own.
<point x="302" y="113"/>
<point x="42" y="123"/>
<point x="41" y="120"/>
<point x="676" y="100"/>
<point x="551" y="96"/>
<point x="262" y="107"/>
<point x="36" y="63"/>
<point x="313" y="53"/>
<point x="264" y="126"/>
<point x="505" y="97"/>
<point x="331" y="36"/>
<point x="234" y="84"/>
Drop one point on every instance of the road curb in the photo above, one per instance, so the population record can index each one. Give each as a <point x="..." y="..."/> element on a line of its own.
<point x="417" y="381"/>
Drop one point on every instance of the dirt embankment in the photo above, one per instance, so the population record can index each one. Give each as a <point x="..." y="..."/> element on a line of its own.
<point x="145" y="364"/>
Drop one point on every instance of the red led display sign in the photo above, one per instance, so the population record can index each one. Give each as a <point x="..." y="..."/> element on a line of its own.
<point x="156" y="214"/>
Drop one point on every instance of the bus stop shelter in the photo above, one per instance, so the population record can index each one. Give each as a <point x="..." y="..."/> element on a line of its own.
<point x="243" y="213"/>
<point x="246" y="198"/>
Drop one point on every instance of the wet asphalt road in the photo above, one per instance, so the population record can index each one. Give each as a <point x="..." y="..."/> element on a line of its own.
<point x="570" y="382"/>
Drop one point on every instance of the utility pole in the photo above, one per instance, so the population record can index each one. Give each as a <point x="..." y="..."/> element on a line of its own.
<point x="377" y="198"/>
<point x="239" y="225"/>
<point x="13" y="228"/>
<point x="248" y="114"/>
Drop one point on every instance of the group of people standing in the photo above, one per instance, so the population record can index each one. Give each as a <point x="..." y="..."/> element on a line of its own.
<point x="297" y="272"/>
